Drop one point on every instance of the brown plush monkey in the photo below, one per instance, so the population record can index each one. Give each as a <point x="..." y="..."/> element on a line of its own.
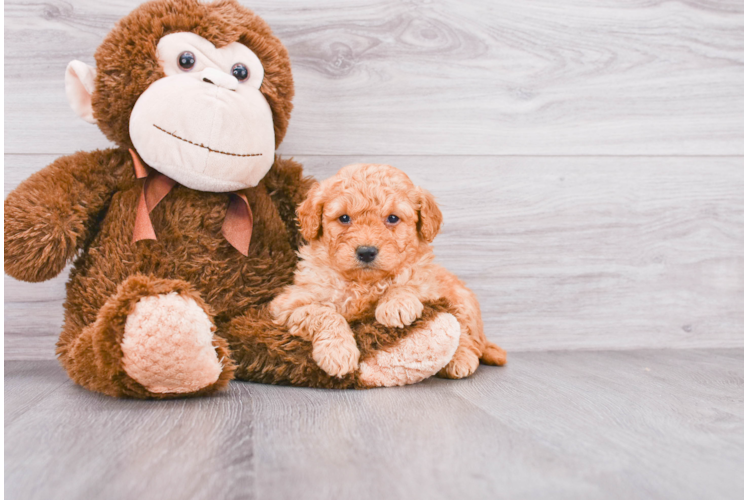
<point x="185" y="231"/>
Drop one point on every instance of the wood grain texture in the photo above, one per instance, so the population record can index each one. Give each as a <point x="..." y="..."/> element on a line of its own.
<point x="32" y="382"/>
<point x="564" y="253"/>
<point x="441" y="77"/>
<point x="186" y="450"/>
<point x="658" y="424"/>
<point x="32" y="317"/>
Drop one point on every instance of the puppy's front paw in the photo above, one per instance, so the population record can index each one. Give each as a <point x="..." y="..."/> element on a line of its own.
<point x="463" y="364"/>
<point x="399" y="310"/>
<point x="336" y="356"/>
<point x="297" y="322"/>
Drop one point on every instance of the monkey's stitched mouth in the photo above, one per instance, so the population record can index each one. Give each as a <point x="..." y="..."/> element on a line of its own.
<point x="204" y="146"/>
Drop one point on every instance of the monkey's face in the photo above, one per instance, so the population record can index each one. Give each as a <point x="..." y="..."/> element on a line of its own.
<point x="205" y="124"/>
<point x="201" y="90"/>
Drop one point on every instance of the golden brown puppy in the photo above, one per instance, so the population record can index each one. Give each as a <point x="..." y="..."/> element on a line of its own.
<point x="369" y="231"/>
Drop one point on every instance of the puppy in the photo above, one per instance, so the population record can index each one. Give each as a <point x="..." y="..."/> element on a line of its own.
<point x="369" y="231"/>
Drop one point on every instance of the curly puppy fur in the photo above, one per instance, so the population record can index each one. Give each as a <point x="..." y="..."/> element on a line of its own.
<point x="369" y="206"/>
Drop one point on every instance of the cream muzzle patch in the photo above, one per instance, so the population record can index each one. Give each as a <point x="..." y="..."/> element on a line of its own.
<point x="201" y="125"/>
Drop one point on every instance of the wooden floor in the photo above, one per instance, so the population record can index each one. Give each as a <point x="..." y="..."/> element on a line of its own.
<point x="654" y="424"/>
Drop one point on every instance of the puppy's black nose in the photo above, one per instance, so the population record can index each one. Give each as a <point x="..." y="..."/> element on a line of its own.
<point x="366" y="254"/>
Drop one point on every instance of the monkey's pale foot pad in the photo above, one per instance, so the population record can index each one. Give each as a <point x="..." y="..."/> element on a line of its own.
<point x="168" y="345"/>
<point x="420" y="355"/>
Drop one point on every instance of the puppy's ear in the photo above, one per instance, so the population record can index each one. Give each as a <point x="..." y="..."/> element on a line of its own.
<point x="310" y="214"/>
<point x="429" y="216"/>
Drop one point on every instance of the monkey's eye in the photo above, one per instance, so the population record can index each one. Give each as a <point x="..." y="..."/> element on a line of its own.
<point x="345" y="219"/>
<point x="240" y="72"/>
<point x="186" y="60"/>
<point x="393" y="219"/>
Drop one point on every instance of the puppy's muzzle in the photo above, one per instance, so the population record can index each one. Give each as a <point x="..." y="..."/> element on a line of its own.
<point x="366" y="254"/>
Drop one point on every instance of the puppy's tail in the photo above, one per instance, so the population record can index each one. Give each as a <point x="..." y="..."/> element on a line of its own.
<point x="493" y="355"/>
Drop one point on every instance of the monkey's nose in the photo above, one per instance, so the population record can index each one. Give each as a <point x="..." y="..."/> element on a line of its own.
<point x="219" y="78"/>
<point x="366" y="254"/>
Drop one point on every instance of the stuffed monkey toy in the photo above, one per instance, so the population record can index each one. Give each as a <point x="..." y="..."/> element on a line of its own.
<point x="182" y="233"/>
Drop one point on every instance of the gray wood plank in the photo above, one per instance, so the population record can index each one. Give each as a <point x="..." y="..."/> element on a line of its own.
<point x="657" y="424"/>
<point x="564" y="253"/>
<point x="32" y="317"/>
<point x="31" y="383"/>
<point x="553" y="425"/>
<point x="442" y="77"/>
<point x="93" y="446"/>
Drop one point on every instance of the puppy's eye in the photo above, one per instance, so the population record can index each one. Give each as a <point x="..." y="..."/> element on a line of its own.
<point x="186" y="60"/>
<point x="345" y="219"/>
<point x="393" y="219"/>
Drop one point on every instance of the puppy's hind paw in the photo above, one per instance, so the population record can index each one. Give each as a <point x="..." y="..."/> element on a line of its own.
<point x="493" y="355"/>
<point x="462" y="365"/>
<point x="399" y="311"/>
<point x="337" y="357"/>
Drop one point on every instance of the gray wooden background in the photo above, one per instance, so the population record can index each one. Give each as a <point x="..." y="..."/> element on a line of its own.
<point x="588" y="154"/>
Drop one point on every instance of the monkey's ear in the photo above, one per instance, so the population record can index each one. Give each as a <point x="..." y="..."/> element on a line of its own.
<point x="429" y="216"/>
<point x="79" y="86"/>
<point x="310" y="214"/>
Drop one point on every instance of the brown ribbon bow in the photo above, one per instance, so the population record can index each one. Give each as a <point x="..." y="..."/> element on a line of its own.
<point x="237" y="225"/>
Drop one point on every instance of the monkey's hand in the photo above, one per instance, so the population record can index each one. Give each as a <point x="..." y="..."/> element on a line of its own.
<point x="51" y="214"/>
<point x="398" y="309"/>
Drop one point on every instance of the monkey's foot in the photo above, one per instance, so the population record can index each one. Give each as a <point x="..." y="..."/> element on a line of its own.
<point x="168" y="345"/>
<point x="418" y="356"/>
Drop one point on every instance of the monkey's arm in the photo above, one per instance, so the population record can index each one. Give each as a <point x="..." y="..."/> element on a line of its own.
<point x="288" y="187"/>
<point x="52" y="214"/>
